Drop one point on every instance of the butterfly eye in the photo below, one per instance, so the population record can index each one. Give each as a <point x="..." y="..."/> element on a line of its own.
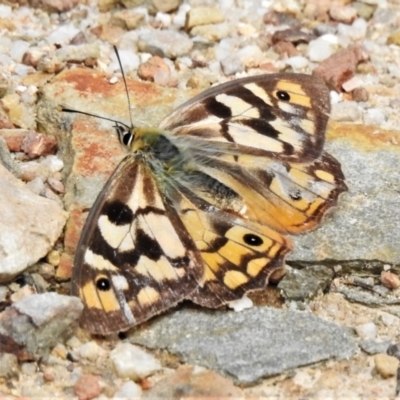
<point x="127" y="139"/>
<point x="252" y="240"/>
<point x="282" y="95"/>
<point x="103" y="284"/>
<point x="124" y="134"/>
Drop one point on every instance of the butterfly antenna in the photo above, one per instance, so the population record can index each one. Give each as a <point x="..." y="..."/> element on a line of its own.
<point x="71" y="110"/>
<point x="126" y="86"/>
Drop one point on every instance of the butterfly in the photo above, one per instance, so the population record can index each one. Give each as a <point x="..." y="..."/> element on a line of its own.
<point x="201" y="206"/>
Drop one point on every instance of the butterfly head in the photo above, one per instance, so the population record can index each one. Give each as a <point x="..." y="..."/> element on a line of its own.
<point x="137" y="139"/>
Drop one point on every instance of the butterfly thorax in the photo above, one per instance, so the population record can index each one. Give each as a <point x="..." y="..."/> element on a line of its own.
<point x="154" y="147"/>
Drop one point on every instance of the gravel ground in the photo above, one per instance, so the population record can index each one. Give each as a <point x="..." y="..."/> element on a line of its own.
<point x="179" y="48"/>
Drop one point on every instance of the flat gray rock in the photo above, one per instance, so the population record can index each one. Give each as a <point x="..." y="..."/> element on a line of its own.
<point x="249" y="345"/>
<point x="40" y="321"/>
<point x="365" y="224"/>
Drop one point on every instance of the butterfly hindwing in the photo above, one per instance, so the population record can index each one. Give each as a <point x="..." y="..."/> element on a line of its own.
<point x="286" y="196"/>
<point x="239" y="256"/>
<point x="135" y="257"/>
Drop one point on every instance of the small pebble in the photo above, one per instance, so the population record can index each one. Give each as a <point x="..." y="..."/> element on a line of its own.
<point x="212" y="33"/>
<point x="166" y="43"/>
<point x="74" y="342"/>
<point x="36" y="185"/>
<point x="389" y="319"/>
<point x="390" y="280"/>
<point x="37" y="144"/>
<point x="32" y="169"/>
<point x="151" y="67"/>
<point x="53" y="258"/>
<point x="46" y="270"/>
<point x="232" y="65"/>
<point x="21" y="293"/>
<point x="132" y="362"/>
<point x="203" y="16"/>
<point x="166" y="6"/>
<point x="8" y="364"/>
<point x="251" y="56"/>
<point x="53" y="163"/>
<point x="374" y="116"/>
<point x="348" y="111"/>
<point x="90" y="350"/>
<point x="394" y="38"/>
<point x="28" y="368"/>
<point x="164" y="19"/>
<point x="60" y="351"/>
<point x="87" y="387"/>
<point x="128" y="390"/>
<point x="56" y="185"/>
<point x="353" y="83"/>
<point x="3" y="293"/>
<point x="360" y="94"/>
<point x="367" y="331"/>
<point x="241" y="304"/>
<point x="386" y="365"/>
<point x="354" y="32"/>
<point x="346" y="14"/>
<point x="297" y="62"/>
<point x="322" y="48"/>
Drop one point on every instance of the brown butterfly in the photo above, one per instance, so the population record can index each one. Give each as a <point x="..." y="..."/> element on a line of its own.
<point x="200" y="207"/>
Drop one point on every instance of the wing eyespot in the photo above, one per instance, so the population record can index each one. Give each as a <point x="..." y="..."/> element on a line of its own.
<point x="283" y="95"/>
<point x="252" y="240"/>
<point x="296" y="195"/>
<point x="103" y="284"/>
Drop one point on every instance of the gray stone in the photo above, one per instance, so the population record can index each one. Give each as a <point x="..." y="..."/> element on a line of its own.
<point x="40" y="321"/>
<point x="8" y="365"/>
<point x="305" y="283"/>
<point x="169" y="44"/>
<point x="6" y="159"/>
<point x="29" y="225"/>
<point x="78" y="53"/>
<point x="371" y="299"/>
<point x="348" y="111"/>
<point x="232" y="65"/>
<point x="249" y="345"/>
<point x="166" y="6"/>
<point x="372" y="347"/>
<point x="365" y="224"/>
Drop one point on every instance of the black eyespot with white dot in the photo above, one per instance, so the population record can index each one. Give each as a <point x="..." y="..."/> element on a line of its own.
<point x="252" y="240"/>
<point x="282" y="95"/>
<point x="118" y="213"/>
<point x="296" y="195"/>
<point x="103" y="284"/>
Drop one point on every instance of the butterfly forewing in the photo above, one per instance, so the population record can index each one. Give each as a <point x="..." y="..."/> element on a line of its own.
<point x="278" y="115"/>
<point x="135" y="257"/>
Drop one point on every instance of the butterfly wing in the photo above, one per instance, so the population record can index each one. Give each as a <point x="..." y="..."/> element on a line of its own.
<point x="278" y="115"/>
<point x="239" y="256"/>
<point x="254" y="154"/>
<point x="288" y="197"/>
<point x="135" y="258"/>
<point x="262" y="137"/>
